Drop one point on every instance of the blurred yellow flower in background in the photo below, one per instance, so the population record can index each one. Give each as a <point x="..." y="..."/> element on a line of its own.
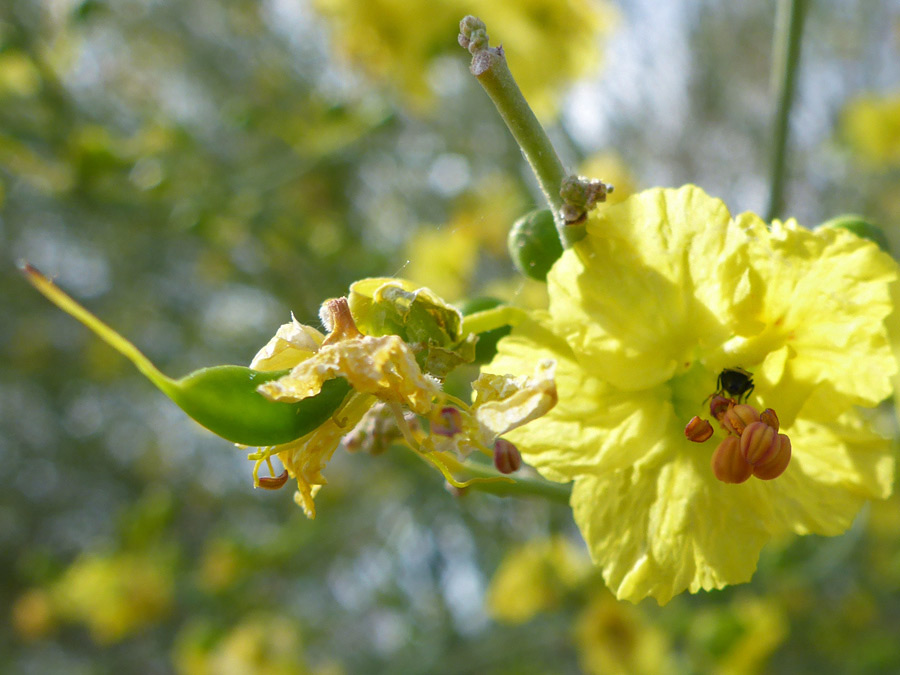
<point x="738" y="638"/>
<point x="611" y="169"/>
<point x="535" y="577"/>
<point x="261" y="643"/>
<point x="617" y="639"/>
<point x="871" y="125"/>
<point x="115" y="595"/>
<point x="664" y="292"/>
<point x="548" y="43"/>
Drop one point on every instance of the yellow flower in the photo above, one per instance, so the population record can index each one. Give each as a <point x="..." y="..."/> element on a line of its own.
<point x="871" y="125"/>
<point x="666" y="291"/>
<point x="115" y="595"/>
<point x="610" y="168"/>
<point x="740" y="637"/>
<point x="617" y="639"/>
<point x="535" y="577"/>
<point x="259" y="643"/>
<point x="397" y="40"/>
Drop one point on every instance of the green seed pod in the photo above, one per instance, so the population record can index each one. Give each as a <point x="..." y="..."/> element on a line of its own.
<point x="861" y="228"/>
<point x="222" y="398"/>
<point x="486" y="347"/>
<point x="534" y="244"/>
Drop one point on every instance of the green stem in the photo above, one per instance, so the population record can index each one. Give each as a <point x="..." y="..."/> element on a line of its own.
<point x="491" y="70"/>
<point x="518" y="487"/>
<point x="786" y="56"/>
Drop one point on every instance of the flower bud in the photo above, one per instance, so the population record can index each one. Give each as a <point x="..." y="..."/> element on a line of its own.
<point x="769" y="417"/>
<point x="448" y="422"/>
<point x="737" y="417"/>
<point x="718" y="405"/>
<point x="777" y="463"/>
<point x="506" y="456"/>
<point x="759" y="443"/>
<point x="534" y="244"/>
<point x="698" y="430"/>
<point x="728" y="464"/>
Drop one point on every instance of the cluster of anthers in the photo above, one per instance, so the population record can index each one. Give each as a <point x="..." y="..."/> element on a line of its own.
<point x="753" y="446"/>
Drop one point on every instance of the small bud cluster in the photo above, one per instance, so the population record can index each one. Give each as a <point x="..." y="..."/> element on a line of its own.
<point x="580" y="195"/>
<point x="753" y="446"/>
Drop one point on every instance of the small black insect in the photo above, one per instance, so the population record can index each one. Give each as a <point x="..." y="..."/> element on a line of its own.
<point x="735" y="382"/>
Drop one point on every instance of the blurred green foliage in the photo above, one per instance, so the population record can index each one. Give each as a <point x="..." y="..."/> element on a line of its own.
<point x="193" y="172"/>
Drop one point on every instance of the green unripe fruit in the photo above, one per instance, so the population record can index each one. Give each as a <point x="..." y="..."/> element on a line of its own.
<point x="861" y="227"/>
<point x="534" y="244"/>
<point x="486" y="348"/>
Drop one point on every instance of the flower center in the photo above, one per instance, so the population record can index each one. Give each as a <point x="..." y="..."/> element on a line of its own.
<point x="690" y="391"/>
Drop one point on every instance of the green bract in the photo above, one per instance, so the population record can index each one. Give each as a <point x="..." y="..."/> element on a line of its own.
<point x="224" y="399"/>
<point x="534" y="244"/>
<point x="384" y="306"/>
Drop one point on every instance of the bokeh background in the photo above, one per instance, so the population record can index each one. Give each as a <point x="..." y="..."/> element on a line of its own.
<point x="195" y="171"/>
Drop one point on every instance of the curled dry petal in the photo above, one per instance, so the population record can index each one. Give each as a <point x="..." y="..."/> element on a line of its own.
<point x="383" y="366"/>
<point x="503" y="403"/>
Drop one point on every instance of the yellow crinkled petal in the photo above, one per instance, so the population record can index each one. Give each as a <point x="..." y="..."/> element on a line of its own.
<point x="505" y="402"/>
<point x="826" y="296"/>
<point x="307" y="456"/>
<point x="668" y="525"/>
<point x="293" y="342"/>
<point x="383" y="366"/>
<point x="597" y="428"/>
<point x="835" y="467"/>
<point x="662" y="528"/>
<point x="626" y="297"/>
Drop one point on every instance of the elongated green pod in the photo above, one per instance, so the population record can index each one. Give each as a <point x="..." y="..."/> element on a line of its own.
<point x="221" y="398"/>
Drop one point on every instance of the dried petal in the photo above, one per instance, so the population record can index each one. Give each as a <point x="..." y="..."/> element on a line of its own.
<point x="383" y="366"/>
<point x="503" y="403"/>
